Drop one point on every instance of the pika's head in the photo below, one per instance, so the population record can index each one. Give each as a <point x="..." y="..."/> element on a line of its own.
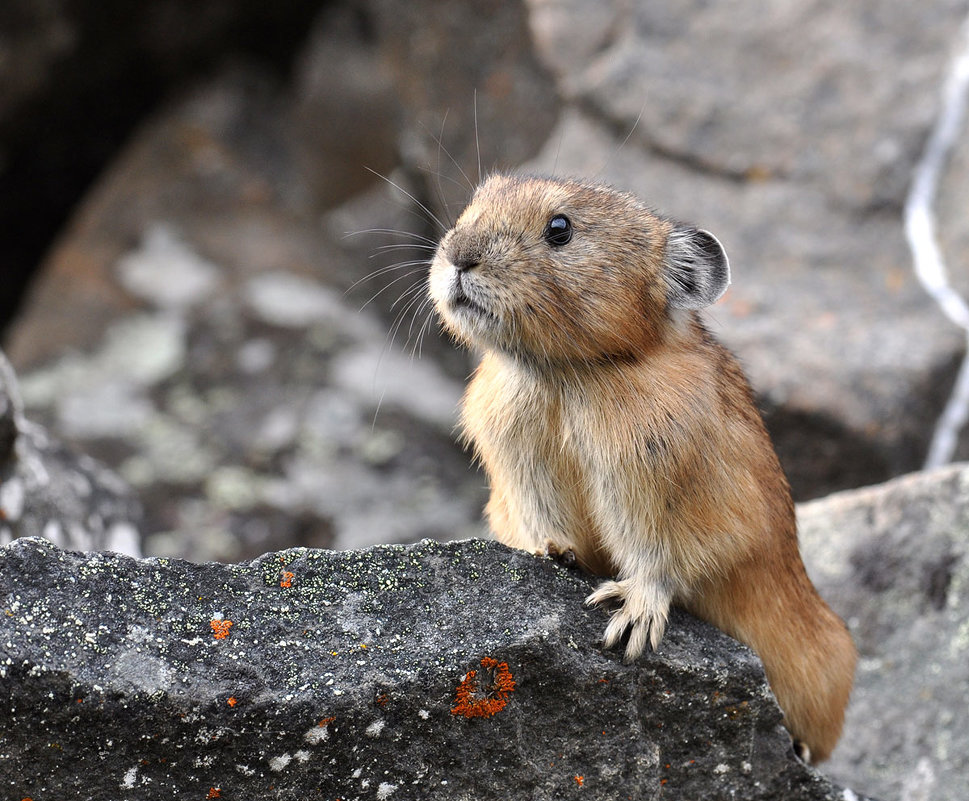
<point x="566" y="271"/>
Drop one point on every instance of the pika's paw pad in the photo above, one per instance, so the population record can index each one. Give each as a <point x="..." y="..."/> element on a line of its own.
<point x="643" y="614"/>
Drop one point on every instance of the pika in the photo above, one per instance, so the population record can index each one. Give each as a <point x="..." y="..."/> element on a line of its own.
<point x="614" y="427"/>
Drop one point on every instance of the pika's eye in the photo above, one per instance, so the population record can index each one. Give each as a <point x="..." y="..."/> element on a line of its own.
<point x="558" y="232"/>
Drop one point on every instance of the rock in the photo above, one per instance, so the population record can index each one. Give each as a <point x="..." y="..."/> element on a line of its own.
<point x="74" y="82"/>
<point x="46" y="490"/>
<point x="473" y="93"/>
<point x="394" y="672"/>
<point x="893" y="560"/>
<point x="345" y="115"/>
<point x="799" y="163"/>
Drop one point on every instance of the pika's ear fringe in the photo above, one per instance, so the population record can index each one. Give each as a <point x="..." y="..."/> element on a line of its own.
<point x="696" y="268"/>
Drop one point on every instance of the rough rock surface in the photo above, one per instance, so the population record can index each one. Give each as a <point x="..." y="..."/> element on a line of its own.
<point x="894" y="561"/>
<point x="46" y="490"/>
<point x="311" y="673"/>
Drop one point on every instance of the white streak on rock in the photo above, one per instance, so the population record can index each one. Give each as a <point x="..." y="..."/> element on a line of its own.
<point x="317" y="734"/>
<point x="927" y="257"/>
<point x="291" y="301"/>
<point x="123" y="538"/>
<point x="920" y="784"/>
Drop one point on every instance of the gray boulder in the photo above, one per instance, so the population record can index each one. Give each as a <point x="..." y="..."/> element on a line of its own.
<point x="431" y="671"/>
<point x="894" y="561"/>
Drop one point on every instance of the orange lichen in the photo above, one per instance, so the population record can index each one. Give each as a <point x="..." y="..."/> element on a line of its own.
<point x="474" y="702"/>
<point x="580" y="780"/>
<point x="232" y="700"/>
<point x="214" y="792"/>
<point x="382" y="699"/>
<point x="325" y="722"/>
<point x="220" y="628"/>
<point x="287" y="579"/>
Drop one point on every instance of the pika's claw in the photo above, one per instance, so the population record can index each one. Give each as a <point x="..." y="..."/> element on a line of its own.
<point x="604" y="593"/>
<point x="643" y="613"/>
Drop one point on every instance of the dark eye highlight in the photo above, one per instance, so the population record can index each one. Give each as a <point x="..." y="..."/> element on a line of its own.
<point x="558" y="232"/>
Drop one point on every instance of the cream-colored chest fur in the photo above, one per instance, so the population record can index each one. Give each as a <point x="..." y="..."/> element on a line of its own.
<point x="627" y="472"/>
<point x="565" y="468"/>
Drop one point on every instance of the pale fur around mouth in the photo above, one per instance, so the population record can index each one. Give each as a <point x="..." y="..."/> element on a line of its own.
<point x="461" y="303"/>
<point x="464" y="302"/>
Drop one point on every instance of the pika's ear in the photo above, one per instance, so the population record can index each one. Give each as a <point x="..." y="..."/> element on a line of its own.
<point x="696" y="269"/>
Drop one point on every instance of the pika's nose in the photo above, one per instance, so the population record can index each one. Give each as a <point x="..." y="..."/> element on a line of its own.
<point x="464" y="251"/>
<point x="466" y="261"/>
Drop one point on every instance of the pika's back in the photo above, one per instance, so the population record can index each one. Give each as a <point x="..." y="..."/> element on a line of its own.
<point x="563" y="271"/>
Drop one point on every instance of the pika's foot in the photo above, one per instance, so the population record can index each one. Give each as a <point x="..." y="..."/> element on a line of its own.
<point x="565" y="557"/>
<point x="643" y="613"/>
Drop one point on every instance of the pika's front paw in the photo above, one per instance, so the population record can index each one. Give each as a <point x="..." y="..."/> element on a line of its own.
<point x="564" y="556"/>
<point x="643" y="613"/>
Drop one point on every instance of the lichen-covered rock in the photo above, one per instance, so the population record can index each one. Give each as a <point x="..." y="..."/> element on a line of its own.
<point x="46" y="490"/>
<point x="894" y="561"/>
<point x="432" y="671"/>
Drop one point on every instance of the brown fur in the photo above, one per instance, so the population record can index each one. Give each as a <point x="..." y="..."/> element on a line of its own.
<point x="613" y="425"/>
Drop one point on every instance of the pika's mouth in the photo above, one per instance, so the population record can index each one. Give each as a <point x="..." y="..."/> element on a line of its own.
<point x="461" y="301"/>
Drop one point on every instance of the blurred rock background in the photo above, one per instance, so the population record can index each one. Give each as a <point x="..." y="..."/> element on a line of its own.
<point x="201" y="207"/>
